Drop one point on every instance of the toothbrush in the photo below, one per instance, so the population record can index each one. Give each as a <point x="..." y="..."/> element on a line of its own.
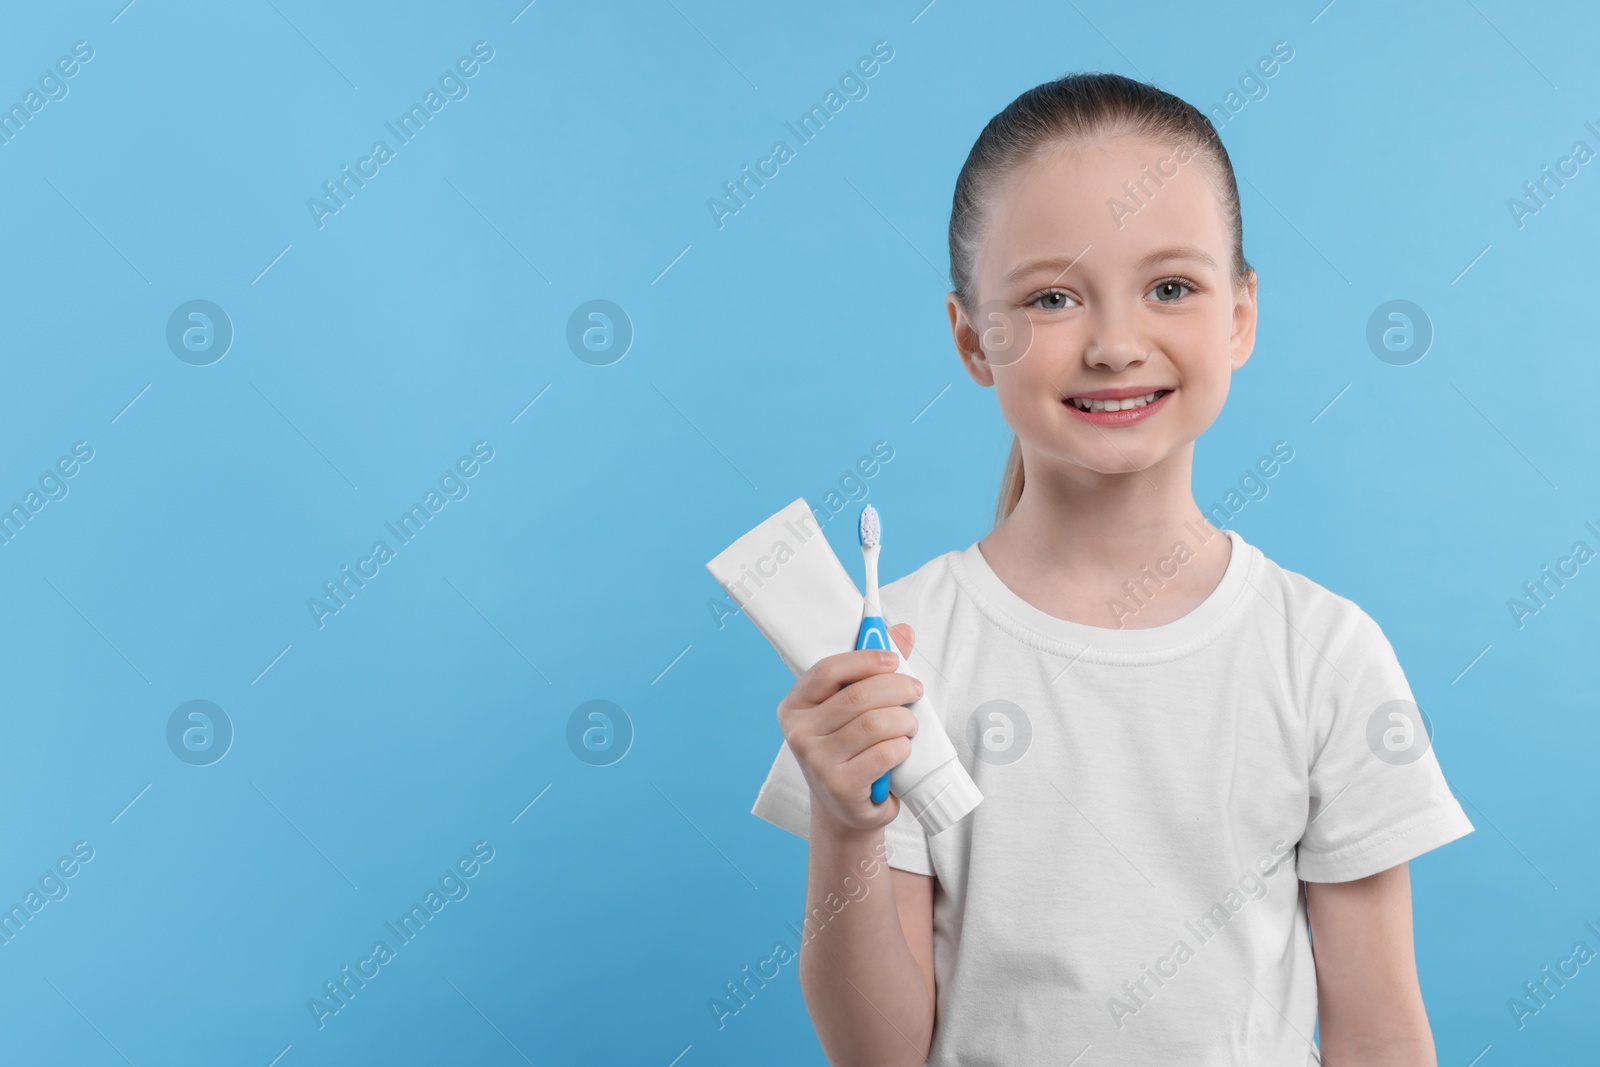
<point x="874" y="632"/>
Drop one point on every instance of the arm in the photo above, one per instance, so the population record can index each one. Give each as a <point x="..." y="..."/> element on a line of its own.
<point x="867" y="974"/>
<point x="866" y="965"/>
<point x="1369" y="1002"/>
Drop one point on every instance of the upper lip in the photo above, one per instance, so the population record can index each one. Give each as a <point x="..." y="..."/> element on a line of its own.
<point x="1119" y="394"/>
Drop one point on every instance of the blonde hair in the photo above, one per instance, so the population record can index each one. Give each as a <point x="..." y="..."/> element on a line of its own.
<point x="1074" y="105"/>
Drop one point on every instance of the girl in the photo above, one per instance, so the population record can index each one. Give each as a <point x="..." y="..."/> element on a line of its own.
<point x="1194" y="762"/>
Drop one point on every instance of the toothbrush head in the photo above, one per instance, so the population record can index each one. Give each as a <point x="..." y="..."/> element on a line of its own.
<point x="871" y="528"/>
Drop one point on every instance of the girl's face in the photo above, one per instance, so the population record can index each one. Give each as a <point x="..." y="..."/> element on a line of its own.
<point x="1106" y="266"/>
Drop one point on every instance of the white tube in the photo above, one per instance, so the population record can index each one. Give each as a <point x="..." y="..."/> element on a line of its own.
<point x="784" y="575"/>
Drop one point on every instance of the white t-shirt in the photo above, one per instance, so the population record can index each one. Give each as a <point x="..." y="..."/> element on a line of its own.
<point x="1152" y="797"/>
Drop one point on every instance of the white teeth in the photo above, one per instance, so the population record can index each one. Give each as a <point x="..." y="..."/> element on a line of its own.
<point x="1114" y="405"/>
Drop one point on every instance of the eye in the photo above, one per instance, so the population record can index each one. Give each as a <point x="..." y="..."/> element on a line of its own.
<point x="1167" y="290"/>
<point x="1056" y="299"/>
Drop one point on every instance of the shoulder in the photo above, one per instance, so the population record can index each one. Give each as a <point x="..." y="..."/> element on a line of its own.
<point x="1318" y="624"/>
<point x="905" y="598"/>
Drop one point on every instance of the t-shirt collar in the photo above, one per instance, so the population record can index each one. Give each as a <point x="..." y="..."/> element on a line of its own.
<point x="1107" y="644"/>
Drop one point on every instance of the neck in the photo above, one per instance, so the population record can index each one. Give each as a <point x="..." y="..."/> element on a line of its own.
<point x="1076" y="535"/>
<point x="1081" y="518"/>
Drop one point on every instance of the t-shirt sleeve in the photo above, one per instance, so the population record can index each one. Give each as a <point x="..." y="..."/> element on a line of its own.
<point x="1377" y="794"/>
<point x="785" y="802"/>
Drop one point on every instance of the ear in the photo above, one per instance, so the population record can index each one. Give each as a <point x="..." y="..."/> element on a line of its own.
<point x="968" y="343"/>
<point x="1243" y="340"/>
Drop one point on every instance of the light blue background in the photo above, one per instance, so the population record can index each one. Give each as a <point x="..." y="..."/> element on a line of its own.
<point x="429" y="312"/>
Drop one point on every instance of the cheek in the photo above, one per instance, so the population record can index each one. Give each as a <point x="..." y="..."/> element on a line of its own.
<point x="1035" y="381"/>
<point x="1199" y="348"/>
<point x="1206" y="376"/>
<point x="1015" y="394"/>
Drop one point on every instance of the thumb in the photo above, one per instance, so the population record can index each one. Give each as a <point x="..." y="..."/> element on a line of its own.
<point x="904" y="638"/>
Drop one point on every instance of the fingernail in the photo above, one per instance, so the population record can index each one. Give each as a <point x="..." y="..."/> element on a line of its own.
<point x="887" y="658"/>
<point x="919" y="686"/>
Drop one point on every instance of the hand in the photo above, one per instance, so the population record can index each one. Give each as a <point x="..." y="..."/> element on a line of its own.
<point x="845" y="738"/>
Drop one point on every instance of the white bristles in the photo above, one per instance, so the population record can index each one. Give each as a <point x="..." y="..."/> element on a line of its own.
<point x="869" y="527"/>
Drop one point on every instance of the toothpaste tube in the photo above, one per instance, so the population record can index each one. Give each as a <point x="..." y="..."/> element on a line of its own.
<point x="784" y="575"/>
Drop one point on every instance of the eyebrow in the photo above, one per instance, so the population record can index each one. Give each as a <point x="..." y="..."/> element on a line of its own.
<point x="1061" y="263"/>
<point x="1176" y="252"/>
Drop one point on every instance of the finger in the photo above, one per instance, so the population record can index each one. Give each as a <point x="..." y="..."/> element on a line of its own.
<point x="823" y="679"/>
<point x="869" y="765"/>
<point x="868" y="728"/>
<point x="904" y="638"/>
<point x="889" y="690"/>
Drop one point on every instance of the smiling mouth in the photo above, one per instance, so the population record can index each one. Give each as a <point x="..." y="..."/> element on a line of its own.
<point x="1117" y="405"/>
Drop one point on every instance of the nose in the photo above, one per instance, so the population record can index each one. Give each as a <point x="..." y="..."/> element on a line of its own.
<point x="1114" y="340"/>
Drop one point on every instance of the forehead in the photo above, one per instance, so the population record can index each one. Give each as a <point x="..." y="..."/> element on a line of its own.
<point x="1068" y="197"/>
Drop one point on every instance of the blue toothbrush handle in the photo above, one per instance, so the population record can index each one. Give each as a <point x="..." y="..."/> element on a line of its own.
<point x="880" y="789"/>
<point x="874" y="633"/>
